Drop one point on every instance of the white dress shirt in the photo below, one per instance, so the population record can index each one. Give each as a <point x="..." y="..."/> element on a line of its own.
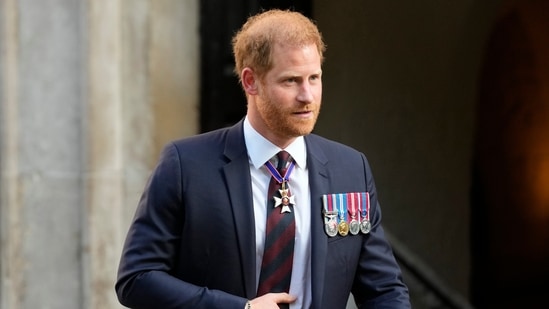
<point x="260" y="150"/>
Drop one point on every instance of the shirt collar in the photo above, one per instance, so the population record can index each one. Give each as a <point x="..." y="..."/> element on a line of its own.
<point x="261" y="150"/>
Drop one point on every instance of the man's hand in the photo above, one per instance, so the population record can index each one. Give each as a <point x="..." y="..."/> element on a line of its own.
<point x="271" y="300"/>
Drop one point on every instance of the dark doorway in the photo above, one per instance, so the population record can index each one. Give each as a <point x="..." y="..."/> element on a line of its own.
<point x="510" y="204"/>
<point x="222" y="101"/>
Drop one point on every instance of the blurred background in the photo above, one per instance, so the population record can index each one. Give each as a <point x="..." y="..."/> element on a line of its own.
<point x="449" y="100"/>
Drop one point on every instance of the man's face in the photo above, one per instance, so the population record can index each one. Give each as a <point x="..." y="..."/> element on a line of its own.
<point x="289" y="95"/>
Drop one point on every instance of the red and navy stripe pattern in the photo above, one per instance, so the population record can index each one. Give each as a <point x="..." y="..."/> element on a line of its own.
<point x="278" y="255"/>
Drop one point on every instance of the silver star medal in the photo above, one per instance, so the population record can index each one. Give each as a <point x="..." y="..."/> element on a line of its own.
<point x="284" y="200"/>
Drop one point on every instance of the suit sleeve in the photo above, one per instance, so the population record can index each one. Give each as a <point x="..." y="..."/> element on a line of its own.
<point x="146" y="271"/>
<point x="378" y="282"/>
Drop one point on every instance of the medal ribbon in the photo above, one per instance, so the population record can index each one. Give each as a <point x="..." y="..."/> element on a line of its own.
<point x="327" y="199"/>
<point x="341" y="206"/>
<point x="276" y="175"/>
<point x="352" y="197"/>
<point x="366" y="205"/>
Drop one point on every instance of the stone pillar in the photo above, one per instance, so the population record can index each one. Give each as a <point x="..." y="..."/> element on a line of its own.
<point x="143" y="91"/>
<point x="103" y="166"/>
<point x="90" y="91"/>
<point x="41" y="154"/>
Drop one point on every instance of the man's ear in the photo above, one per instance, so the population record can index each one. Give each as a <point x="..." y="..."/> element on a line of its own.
<point x="249" y="81"/>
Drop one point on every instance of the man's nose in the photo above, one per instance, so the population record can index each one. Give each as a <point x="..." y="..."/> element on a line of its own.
<point x="305" y="93"/>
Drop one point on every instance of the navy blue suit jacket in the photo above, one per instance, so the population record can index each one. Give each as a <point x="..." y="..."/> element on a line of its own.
<point x="192" y="241"/>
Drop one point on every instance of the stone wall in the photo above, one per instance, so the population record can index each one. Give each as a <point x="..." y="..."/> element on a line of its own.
<point x="90" y="91"/>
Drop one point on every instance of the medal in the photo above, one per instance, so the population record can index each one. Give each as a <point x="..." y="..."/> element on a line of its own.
<point x="331" y="228"/>
<point x="330" y="215"/>
<point x="330" y="225"/>
<point x="286" y="198"/>
<point x="354" y="226"/>
<point x="365" y="225"/>
<point x="343" y="226"/>
<point x="346" y="213"/>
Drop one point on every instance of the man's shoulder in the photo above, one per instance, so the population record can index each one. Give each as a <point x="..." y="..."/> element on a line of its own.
<point x="205" y="146"/>
<point x="212" y="138"/>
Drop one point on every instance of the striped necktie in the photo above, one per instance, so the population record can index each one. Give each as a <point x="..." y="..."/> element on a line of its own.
<point x="278" y="254"/>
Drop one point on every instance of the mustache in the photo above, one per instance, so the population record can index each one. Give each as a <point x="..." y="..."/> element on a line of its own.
<point x="307" y="108"/>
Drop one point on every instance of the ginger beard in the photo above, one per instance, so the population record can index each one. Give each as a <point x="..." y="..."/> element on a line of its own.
<point x="287" y="122"/>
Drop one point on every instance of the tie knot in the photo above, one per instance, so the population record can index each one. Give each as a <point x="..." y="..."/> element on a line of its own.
<point x="283" y="157"/>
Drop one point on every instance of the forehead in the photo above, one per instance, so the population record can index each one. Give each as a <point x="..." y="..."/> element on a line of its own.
<point x="288" y="57"/>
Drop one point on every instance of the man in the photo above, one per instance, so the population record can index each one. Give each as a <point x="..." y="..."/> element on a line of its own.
<point x="202" y="236"/>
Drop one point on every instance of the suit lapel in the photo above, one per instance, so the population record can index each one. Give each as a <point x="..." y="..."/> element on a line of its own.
<point x="238" y="182"/>
<point x="319" y="185"/>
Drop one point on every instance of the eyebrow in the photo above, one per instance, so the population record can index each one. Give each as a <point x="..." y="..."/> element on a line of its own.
<point x="294" y="75"/>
